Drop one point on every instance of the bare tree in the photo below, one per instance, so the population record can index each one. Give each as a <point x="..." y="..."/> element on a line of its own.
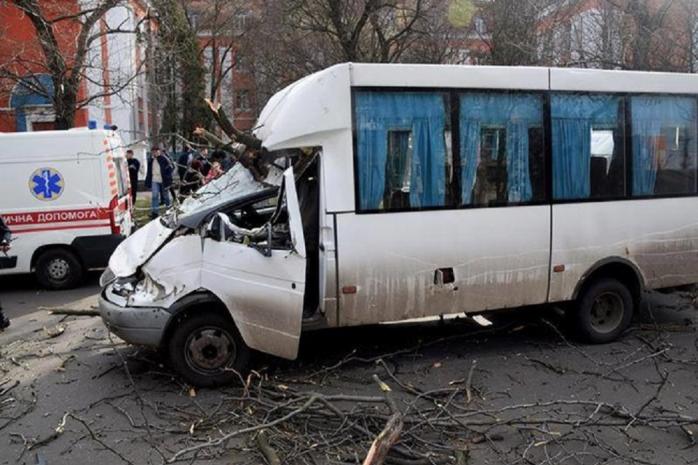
<point x="525" y="32"/>
<point x="635" y="34"/>
<point x="67" y="65"/>
<point x="296" y="37"/>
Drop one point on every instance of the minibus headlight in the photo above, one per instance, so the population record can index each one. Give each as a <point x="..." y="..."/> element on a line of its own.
<point x="124" y="286"/>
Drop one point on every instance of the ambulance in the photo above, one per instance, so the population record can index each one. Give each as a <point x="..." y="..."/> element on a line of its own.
<point x="65" y="197"/>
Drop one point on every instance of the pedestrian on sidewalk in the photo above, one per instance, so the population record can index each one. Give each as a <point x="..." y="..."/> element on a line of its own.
<point x="134" y="168"/>
<point x="158" y="178"/>
<point x="5" y="238"/>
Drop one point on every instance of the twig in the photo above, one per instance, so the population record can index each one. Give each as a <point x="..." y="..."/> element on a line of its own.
<point x="469" y="382"/>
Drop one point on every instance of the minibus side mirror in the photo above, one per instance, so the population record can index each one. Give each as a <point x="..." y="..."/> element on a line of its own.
<point x="265" y="248"/>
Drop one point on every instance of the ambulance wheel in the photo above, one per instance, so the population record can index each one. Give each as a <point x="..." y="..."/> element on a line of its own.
<point x="207" y="351"/>
<point x="58" y="269"/>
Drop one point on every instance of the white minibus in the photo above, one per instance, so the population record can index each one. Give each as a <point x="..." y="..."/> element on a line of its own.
<point x="65" y="197"/>
<point x="416" y="191"/>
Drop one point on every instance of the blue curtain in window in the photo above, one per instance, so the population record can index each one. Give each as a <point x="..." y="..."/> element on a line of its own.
<point x="649" y="115"/>
<point x="517" y="113"/>
<point x="422" y="113"/>
<point x="470" y="157"/>
<point x="571" y="158"/>
<point x="572" y="120"/>
<point x="373" y="150"/>
<point x="518" y="173"/>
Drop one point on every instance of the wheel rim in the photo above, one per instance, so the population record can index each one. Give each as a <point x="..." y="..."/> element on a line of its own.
<point x="58" y="269"/>
<point x="210" y="350"/>
<point x="607" y="312"/>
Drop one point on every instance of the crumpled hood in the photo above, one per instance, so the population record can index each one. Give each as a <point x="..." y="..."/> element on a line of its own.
<point x="138" y="248"/>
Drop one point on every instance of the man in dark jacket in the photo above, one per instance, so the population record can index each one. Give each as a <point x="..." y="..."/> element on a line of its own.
<point x="184" y="162"/>
<point x="158" y="179"/>
<point x="5" y="238"/>
<point x="134" y="167"/>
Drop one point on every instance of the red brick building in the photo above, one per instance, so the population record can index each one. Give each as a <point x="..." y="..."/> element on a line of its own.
<point x="114" y="89"/>
<point x="22" y="107"/>
<point x="219" y="25"/>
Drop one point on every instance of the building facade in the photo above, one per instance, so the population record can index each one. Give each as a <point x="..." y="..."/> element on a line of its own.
<point x="113" y="88"/>
<point x="220" y="26"/>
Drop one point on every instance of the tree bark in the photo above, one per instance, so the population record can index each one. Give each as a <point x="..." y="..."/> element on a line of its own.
<point x="391" y="432"/>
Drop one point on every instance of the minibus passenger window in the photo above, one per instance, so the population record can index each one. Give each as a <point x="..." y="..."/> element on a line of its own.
<point x="401" y="155"/>
<point x="588" y="133"/>
<point x="399" y="170"/>
<point x="664" y="145"/>
<point x="501" y="148"/>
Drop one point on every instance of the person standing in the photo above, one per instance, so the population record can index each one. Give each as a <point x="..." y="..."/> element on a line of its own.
<point x="205" y="163"/>
<point x="5" y="238"/>
<point x="184" y="162"/>
<point x="134" y="168"/>
<point x="158" y="179"/>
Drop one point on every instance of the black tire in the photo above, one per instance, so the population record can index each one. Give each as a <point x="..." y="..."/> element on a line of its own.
<point x="59" y="269"/>
<point x="207" y="351"/>
<point x="602" y="311"/>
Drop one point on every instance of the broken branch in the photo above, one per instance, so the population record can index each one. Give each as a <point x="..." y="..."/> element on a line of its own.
<point x="234" y="133"/>
<point x="390" y="433"/>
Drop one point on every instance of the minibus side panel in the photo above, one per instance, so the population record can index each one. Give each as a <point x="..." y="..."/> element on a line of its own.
<point x="659" y="236"/>
<point x="498" y="257"/>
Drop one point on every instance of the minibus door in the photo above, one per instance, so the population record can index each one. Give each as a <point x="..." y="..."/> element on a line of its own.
<point x="262" y="287"/>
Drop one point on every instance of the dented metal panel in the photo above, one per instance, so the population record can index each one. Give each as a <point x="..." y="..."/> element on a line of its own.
<point x="659" y="236"/>
<point x="138" y="248"/>
<point x="170" y="274"/>
<point x="499" y="258"/>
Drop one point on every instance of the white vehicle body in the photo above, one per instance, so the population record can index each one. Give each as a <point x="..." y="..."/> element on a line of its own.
<point x="64" y="190"/>
<point x="385" y="266"/>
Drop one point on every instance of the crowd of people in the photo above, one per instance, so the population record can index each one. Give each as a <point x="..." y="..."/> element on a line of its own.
<point x="194" y="168"/>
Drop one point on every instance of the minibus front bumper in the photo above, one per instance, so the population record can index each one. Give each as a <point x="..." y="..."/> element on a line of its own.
<point x="135" y="325"/>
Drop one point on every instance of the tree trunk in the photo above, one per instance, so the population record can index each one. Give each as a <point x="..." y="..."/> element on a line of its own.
<point x="64" y="108"/>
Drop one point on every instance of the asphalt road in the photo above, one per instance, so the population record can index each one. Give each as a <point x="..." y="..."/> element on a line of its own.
<point x="71" y="394"/>
<point x="21" y="295"/>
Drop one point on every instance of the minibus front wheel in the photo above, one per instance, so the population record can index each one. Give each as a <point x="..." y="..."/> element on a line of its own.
<point x="207" y="350"/>
<point x="602" y="311"/>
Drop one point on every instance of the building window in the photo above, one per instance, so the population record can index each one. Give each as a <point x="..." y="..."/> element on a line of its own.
<point x="664" y="145"/>
<point x="240" y="62"/>
<point x="401" y="150"/>
<point x="588" y="134"/>
<point x="480" y="25"/>
<point x="194" y="20"/>
<point x="242" y="100"/>
<point x="240" y="22"/>
<point x="502" y="159"/>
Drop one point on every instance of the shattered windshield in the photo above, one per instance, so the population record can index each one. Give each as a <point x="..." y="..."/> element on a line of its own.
<point x="235" y="183"/>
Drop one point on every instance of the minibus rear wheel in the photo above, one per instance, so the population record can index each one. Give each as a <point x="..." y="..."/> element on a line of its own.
<point x="59" y="269"/>
<point x="602" y="312"/>
<point x="207" y="350"/>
